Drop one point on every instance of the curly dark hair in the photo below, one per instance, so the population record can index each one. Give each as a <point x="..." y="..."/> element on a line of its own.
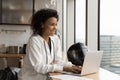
<point x="40" y="17"/>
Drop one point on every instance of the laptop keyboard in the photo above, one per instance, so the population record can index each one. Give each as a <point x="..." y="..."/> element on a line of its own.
<point x="70" y="73"/>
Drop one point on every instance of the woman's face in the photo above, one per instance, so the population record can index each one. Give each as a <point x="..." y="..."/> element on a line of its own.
<point x="49" y="27"/>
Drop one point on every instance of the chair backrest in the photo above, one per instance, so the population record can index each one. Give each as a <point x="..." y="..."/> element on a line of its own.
<point x="75" y="54"/>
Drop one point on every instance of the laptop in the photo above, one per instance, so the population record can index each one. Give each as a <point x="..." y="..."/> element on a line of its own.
<point x="91" y="63"/>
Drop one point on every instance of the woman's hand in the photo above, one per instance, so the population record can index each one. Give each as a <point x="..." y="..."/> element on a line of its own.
<point x="74" y="69"/>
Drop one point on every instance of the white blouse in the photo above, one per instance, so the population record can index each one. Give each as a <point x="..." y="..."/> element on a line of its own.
<point x="39" y="60"/>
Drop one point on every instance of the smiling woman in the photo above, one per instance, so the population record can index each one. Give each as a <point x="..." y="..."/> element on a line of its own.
<point x="49" y="27"/>
<point x="45" y="22"/>
<point x="43" y="51"/>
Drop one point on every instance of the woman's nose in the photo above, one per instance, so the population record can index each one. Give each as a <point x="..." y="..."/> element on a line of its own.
<point x="55" y="27"/>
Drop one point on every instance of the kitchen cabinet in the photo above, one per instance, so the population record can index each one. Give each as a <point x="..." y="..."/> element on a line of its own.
<point x="15" y="57"/>
<point x="16" y="11"/>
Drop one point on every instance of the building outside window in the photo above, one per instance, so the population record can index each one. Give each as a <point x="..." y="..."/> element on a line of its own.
<point x="110" y="34"/>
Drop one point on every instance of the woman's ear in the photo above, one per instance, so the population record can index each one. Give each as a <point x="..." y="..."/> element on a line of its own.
<point x="42" y="26"/>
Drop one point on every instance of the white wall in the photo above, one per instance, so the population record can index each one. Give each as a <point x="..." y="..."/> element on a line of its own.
<point x="13" y="37"/>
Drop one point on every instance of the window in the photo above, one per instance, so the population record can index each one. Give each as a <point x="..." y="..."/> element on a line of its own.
<point x="80" y="21"/>
<point x="110" y="34"/>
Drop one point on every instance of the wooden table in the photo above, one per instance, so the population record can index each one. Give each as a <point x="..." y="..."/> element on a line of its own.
<point x="14" y="55"/>
<point x="101" y="75"/>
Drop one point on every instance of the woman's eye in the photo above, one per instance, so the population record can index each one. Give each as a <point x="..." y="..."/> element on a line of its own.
<point x="53" y="24"/>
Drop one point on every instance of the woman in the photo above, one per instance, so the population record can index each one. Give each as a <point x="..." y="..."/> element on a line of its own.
<point x="43" y="52"/>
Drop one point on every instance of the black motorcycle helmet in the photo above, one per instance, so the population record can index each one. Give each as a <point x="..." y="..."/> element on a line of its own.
<point x="75" y="54"/>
